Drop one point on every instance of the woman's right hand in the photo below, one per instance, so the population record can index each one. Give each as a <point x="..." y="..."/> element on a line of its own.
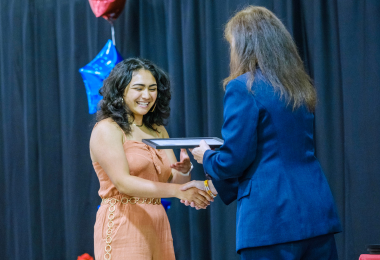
<point x="200" y="185"/>
<point x="200" y="198"/>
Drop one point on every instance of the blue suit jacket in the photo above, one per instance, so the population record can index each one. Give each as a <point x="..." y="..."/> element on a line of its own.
<point x="267" y="163"/>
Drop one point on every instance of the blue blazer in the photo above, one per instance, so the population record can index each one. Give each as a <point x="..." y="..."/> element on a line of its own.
<point x="267" y="163"/>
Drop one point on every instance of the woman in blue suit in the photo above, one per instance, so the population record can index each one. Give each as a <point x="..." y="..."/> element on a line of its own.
<point x="285" y="209"/>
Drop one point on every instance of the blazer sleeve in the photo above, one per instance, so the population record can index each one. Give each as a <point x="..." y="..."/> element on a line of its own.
<point x="227" y="189"/>
<point x="239" y="132"/>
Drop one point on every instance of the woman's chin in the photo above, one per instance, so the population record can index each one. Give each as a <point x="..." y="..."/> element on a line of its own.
<point x="141" y="111"/>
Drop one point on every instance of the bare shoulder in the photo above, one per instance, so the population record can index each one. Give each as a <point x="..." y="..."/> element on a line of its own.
<point x="162" y="131"/>
<point x="106" y="129"/>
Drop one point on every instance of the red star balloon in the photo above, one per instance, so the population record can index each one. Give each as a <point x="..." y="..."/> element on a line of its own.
<point x="108" y="9"/>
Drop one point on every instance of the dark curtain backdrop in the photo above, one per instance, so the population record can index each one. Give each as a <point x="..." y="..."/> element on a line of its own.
<point x="48" y="187"/>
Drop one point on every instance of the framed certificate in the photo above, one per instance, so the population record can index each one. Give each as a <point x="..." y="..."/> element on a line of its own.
<point x="178" y="143"/>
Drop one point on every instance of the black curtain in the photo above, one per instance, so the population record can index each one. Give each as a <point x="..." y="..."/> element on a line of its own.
<point x="49" y="189"/>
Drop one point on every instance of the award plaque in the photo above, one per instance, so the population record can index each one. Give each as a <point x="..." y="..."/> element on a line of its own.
<point x="179" y="143"/>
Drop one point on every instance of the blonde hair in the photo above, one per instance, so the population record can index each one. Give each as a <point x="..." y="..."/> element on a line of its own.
<point x="258" y="38"/>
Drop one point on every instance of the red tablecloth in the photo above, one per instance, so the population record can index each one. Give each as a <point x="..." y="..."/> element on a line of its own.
<point x="369" y="257"/>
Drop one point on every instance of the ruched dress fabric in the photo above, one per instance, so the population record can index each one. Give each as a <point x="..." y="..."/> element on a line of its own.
<point x="139" y="231"/>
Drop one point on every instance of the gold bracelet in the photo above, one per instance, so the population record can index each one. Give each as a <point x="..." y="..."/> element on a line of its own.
<point x="208" y="189"/>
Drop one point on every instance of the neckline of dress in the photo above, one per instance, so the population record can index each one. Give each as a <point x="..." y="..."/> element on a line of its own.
<point x="158" y="150"/>
<point x="136" y="142"/>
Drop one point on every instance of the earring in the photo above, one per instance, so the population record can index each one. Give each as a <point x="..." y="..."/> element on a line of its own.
<point x="154" y="107"/>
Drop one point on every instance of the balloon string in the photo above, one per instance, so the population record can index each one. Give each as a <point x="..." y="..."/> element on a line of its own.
<point x="113" y="34"/>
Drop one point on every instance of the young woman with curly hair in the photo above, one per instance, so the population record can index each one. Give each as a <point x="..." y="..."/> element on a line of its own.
<point x="131" y="222"/>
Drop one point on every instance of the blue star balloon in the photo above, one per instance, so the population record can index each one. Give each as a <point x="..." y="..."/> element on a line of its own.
<point x="166" y="203"/>
<point x="96" y="71"/>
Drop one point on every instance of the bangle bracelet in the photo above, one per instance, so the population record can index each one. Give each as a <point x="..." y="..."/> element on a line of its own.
<point x="188" y="173"/>
<point x="208" y="189"/>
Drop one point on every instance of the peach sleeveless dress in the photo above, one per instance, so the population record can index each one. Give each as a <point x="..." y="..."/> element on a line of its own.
<point x="128" y="229"/>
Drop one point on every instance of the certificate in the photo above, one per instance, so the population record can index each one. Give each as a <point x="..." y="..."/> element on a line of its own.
<point x="178" y="143"/>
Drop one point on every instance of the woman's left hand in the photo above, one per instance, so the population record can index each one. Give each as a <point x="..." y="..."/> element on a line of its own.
<point x="199" y="151"/>
<point x="184" y="164"/>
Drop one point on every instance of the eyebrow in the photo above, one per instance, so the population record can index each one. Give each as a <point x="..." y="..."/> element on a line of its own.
<point x="142" y="85"/>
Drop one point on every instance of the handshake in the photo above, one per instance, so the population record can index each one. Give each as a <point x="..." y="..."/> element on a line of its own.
<point x="196" y="194"/>
<point x="199" y="194"/>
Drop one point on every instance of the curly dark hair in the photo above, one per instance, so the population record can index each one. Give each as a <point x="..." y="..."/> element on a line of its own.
<point x="112" y="105"/>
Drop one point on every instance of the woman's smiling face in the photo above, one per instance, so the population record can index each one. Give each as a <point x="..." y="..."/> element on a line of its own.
<point x="141" y="93"/>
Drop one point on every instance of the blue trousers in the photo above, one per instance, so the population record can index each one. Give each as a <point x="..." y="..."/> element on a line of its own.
<point x="316" y="248"/>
